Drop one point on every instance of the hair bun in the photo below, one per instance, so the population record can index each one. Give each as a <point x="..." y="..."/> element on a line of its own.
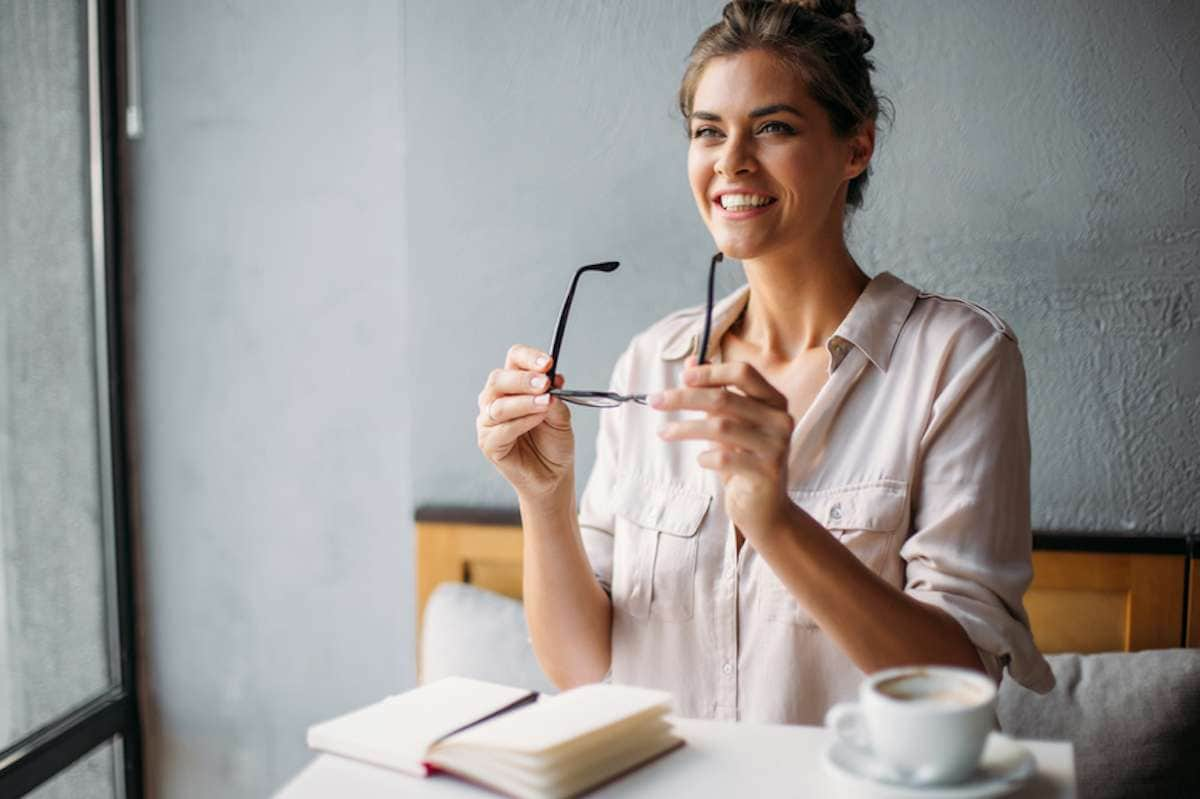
<point x="833" y="9"/>
<point x="844" y="14"/>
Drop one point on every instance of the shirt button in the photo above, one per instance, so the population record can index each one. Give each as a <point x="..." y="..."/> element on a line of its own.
<point x="835" y="512"/>
<point x="728" y="669"/>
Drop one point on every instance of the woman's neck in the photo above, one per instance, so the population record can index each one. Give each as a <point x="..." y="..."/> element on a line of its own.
<point x="796" y="303"/>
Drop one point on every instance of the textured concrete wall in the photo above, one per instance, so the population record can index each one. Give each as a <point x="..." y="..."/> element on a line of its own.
<point x="1045" y="161"/>
<point x="1054" y="151"/>
<point x="53" y="632"/>
<point x="273" y="383"/>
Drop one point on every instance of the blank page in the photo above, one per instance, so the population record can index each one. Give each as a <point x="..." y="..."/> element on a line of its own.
<point x="398" y="731"/>
<point x="560" y="719"/>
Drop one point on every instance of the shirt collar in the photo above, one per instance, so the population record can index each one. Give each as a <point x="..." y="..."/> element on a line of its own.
<point x="872" y="325"/>
<point x="875" y="320"/>
<point x="686" y="340"/>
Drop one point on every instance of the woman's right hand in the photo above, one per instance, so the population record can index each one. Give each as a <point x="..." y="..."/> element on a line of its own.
<point x="523" y="430"/>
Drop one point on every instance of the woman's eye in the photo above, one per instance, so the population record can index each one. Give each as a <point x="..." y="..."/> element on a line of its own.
<point x="776" y="127"/>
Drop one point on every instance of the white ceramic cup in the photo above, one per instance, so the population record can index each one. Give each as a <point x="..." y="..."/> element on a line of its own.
<point x="919" y="724"/>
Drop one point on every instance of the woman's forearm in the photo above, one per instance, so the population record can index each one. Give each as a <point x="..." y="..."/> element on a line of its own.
<point x="876" y="624"/>
<point x="569" y="615"/>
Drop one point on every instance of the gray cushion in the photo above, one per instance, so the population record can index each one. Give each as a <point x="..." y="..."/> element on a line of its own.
<point x="1134" y="719"/>
<point x="471" y="632"/>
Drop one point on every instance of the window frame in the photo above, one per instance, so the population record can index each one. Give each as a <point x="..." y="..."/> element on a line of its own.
<point x="53" y="748"/>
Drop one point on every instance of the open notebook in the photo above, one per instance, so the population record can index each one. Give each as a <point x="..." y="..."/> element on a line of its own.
<point x="505" y="738"/>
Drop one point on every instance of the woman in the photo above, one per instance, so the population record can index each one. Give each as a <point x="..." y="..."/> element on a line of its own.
<point x="843" y="488"/>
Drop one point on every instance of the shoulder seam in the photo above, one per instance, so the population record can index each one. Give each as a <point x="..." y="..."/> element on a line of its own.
<point x="997" y="323"/>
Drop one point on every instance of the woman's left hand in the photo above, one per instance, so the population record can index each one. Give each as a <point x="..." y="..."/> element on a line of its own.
<point x="748" y="421"/>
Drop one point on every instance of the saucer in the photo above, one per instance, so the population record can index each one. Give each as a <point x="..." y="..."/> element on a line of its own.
<point x="1004" y="767"/>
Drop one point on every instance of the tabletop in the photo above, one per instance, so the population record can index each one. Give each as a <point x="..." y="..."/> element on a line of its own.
<point x="720" y="759"/>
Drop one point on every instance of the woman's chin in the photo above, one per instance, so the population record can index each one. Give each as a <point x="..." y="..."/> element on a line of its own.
<point x="739" y="249"/>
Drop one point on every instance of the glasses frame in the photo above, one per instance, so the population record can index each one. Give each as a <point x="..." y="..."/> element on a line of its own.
<point x="611" y="399"/>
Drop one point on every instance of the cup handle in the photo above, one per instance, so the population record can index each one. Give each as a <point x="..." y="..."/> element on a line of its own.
<point x="847" y="723"/>
<point x="845" y="720"/>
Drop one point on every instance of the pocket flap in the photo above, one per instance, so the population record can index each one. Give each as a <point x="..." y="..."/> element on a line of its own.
<point x="660" y="506"/>
<point x="865" y="506"/>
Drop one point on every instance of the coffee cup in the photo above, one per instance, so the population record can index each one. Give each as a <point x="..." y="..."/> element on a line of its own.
<point x="922" y="725"/>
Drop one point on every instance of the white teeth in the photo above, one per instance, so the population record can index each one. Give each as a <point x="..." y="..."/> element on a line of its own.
<point x="737" y="202"/>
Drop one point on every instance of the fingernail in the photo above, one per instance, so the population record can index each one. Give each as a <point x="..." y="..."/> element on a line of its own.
<point x="655" y="400"/>
<point x="541" y="399"/>
<point x="664" y="431"/>
<point x="538" y="381"/>
<point x="542" y="361"/>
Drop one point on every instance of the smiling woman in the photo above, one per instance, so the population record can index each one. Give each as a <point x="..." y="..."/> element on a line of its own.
<point x="823" y="43"/>
<point x="837" y="484"/>
<point x="780" y="163"/>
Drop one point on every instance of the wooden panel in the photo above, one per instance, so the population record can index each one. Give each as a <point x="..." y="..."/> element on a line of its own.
<point x="1193" y="612"/>
<point x="1079" y="601"/>
<point x="1097" y="619"/>
<point x="503" y="578"/>
<point x="1156" y="601"/>
<point x="1092" y="602"/>
<point x="485" y="555"/>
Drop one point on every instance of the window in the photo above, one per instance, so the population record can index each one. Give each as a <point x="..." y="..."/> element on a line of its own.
<point x="68" y="711"/>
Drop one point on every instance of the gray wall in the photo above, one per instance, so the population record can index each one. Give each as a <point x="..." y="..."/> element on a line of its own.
<point x="272" y="341"/>
<point x="1045" y="161"/>
<point x="542" y="136"/>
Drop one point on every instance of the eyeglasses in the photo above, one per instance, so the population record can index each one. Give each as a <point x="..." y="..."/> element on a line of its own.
<point x="611" y="399"/>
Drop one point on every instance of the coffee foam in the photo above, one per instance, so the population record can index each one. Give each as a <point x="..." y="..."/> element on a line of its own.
<point x="933" y="689"/>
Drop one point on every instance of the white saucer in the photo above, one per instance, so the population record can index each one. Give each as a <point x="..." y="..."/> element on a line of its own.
<point x="1004" y="767"/>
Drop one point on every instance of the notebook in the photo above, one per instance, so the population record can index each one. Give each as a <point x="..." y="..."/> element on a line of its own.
<point x="505" y="738"/>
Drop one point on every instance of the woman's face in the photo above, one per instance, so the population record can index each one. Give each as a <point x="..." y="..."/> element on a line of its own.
<point x="755" y="131"/>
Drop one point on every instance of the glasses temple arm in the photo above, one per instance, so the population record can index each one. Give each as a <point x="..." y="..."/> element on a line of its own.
<point x="561" y="326"/>
<point x="712" y="271"/>
<point x="607" y="266"/>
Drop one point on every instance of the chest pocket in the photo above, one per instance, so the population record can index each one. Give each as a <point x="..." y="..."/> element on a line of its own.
<point x="655" y="549"/>
<point x="865" y="518"/>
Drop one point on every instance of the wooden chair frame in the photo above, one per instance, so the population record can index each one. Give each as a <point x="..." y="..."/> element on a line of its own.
<point x="1090" y="593"/>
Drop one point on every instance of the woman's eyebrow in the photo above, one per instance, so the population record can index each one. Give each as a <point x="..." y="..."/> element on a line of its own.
<point x="766" y="110"/>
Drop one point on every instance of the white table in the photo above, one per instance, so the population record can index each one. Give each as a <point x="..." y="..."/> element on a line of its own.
<point x="720" y="759"/>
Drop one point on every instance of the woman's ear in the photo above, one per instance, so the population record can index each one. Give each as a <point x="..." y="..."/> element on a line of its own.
<point x="861" y="148"/>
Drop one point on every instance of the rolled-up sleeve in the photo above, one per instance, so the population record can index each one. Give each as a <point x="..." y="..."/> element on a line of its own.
<point x="596" y="518"/>
<point x="970" y="552"/>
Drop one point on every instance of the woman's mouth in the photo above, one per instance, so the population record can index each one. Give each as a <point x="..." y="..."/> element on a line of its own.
<point x="742" y="206"/>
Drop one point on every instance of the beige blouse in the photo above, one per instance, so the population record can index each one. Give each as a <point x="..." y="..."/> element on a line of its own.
<point x="915" y="455"/>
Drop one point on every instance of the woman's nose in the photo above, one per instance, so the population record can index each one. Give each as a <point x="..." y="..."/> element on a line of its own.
<point x="736" y="158"/>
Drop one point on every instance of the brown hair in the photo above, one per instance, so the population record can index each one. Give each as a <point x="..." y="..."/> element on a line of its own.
<point x="823" y="40"/>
